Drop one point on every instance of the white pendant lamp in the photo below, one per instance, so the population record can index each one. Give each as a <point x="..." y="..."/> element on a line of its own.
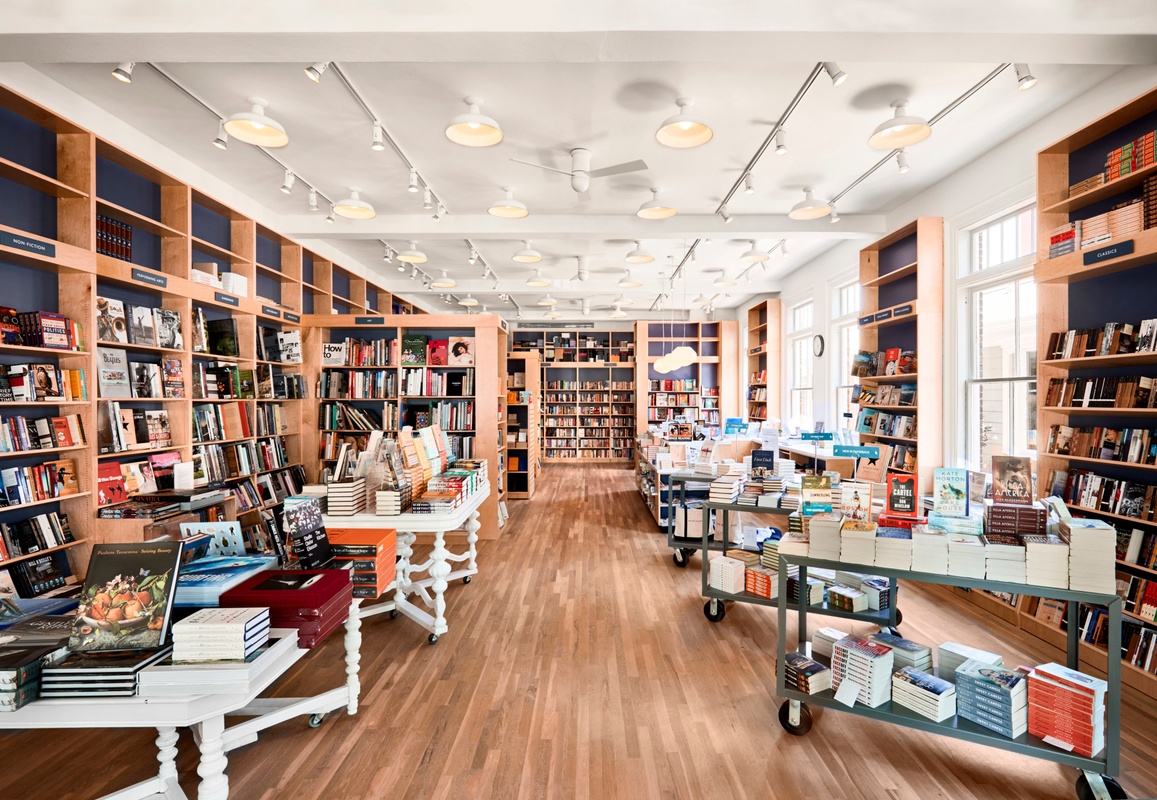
<point x="809" y="207"/>
<point x="527" y="255"/>
<point x="474" y="129"/>
<point x="622" y="300"/>
<point x="467" y="301"/>
<point x="664" y="365"/>
<point x="547" y="300"/>
<point x="683" y="356"/>
<point x="639" y="255"/>
<point x="683" y="130"/>
<point x="443" y="282"/>
<point x="538" y="281"/>
<point x="254" y="127"/>
<point x="412" y="255"/>
<point x="507" y="207"/>
<point x="902" y="130"/>
<point x="553" y="314"/>
<point x="655" y="208"/>
<point x="700" y="302"/>
<point x="753" y="255"/>
<point x="723" y="282"/>
<point x="618" y="313"/>
<point x="629" y="282"/>
<point x="353" y="207"/>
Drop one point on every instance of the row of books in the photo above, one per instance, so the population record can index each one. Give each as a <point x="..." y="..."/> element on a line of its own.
<point x="216" y="463"/>
<point x="882" y="423"/>
<point x="118" y="322"/>
<point x="276" y="345"/>
<point x="335" y="384"/>
<point x="118" y="376"/>
<point x="222" y="381"/>
<point x="676" y="400"/>
<point x="1127" y="445"/>
<point x="1137" y="546"/>
<point x="114" y="238"/>
<point x="346" y="417"/>
<point x="1089" y="490"/>
<point x="885" y="394"/>
<point x="1113" y="338"/>
<point x="360" y="353"/>
<point x="41" y="383"/>
<point x="674" y="385"/>
<point x="40" y="329"/>
<point x="419" y="350"/>
<point x="19" y="433"/>
<point x="38" y="482"/>
<point x="271" y="419"/>
<point x="1108" y="392"/>
<point x="214" y="422"/>
<point x="123" y="429"/>
<point x="893" y="361"/>
<point x="34" y="534"/>
<point x="427" y="382"/>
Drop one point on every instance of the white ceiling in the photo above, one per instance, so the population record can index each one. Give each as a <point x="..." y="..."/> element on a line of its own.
<point x="610" y="104"/>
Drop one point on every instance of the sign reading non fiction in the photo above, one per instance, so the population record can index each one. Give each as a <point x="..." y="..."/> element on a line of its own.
<point x="883" y="315"/>
<point x="369" y="320"/>
<point x="24" y="243"/>
<point x="151" y="278"/>
<point x="226" y="299"/>
<point x="812" y="436"/>
<point x="292" y="317"/>
<point x="1112" y="251"/>
<point x="270" y="311"/>
<point x="850" y="451"/>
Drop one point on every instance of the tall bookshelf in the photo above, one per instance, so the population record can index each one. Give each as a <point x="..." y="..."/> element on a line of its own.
<point x="902" y="280"/>
<point x="523" y="400"/>
<point x="710" y="385"/>
<point x="764" y="360"/>
<point x="56" y="181"/>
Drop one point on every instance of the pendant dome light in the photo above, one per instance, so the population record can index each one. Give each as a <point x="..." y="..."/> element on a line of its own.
<point x="538" y="281"/>
<point x="412" y="255"/>
<point x="622" y="300"/>
<point x="683" y="130"/>
<point x="547" y="300"/>
<point x="254" y="127"/>
<point x="753" y="255"/>
<point x="655" y="208"/>
<point x="353" y="207"/>
<point x="443" y="282"/>
<point x="700" y="302"/>
<point x="507" y="207"/>
<point x="639" y="255"/>
<point x="809" y="207"/>
<point x="474" y="129"/>
<point x="553" y="314"/>
<point x="618" y="313"/>
<point x="468" y="301"/>
<point x="683" y="355"/>
<point x="902" y="130"/>
<point x="628" y="281"/>
<point x="723" y="282"/>
<point x="664" y="365"/>
<point x="527" y="255"/>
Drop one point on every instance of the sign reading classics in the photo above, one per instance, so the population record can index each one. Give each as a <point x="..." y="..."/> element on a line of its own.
<point x="369" y="320"/>
<point x="1112" y="251"/>
<point x="151" y="278"/>
<point x="270" y="311"/>
<point x="822" y="436"/>
<point x="226" y="299"/>
<point x="851" y="451"/>
<point x="24" y="243"/>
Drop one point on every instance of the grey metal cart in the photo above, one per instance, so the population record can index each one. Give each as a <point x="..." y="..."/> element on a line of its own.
<point x="715" y="608"/>
<point x="1094" y="780"/>
<point x="683" y="546"/>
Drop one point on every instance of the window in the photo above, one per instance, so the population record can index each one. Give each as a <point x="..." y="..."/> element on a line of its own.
<point x="800" y="407"/>
<point x="1004" y="241"/>
<point x="845" y="344"/>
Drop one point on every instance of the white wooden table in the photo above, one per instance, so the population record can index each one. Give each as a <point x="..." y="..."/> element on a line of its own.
<point x="431" y="589"/>
<point x="204" y="714"/>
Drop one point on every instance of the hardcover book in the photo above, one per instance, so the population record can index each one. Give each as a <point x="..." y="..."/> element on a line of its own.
<point x="146" y="380"/>
<point x="172" y="377"/>
<point x="296" y="589"/>
<point x="127" y="597"/>
<point x="200" y="331"/>
<point x="461" y="351"/>
<point x="63" y="474"/>
<point x="903" y="497"/>
<point x="141" y="326"/>
<point x="413" y="350"/>
<point x="222" y="339"/>
<point x="762" y="464"/>
<point x="113" y="373"/>
<point x="45" y="381"/>
<point x="1012" y="480"/>
<point x="950" y="492"/>
<point x="816" y="493"/>
<point x="168" y="326"/>
<point x="289" y="342"/>
<point x="110" y="484"/>
<point x="111" y="325"/>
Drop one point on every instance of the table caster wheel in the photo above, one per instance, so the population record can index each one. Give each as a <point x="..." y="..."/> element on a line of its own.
<point x="315" y="720"/>
<point x="433" y="638"/>
<point x="393" y="613"/>
<point x="714" y="610"/>
<point x="467" y="579"/>
<point x="679" y="557"/>
<point x="1085" y="791"/>
<point x="899" y="616"/>
<point x="805" y="719"/>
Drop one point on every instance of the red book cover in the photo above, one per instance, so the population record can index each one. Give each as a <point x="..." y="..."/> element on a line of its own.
<point x="276" y="589"/>
<point x="903" y="498"/>
<point x="436" y="352"/>
<point x="110" y="484"/>
<point x="63" y="436"/>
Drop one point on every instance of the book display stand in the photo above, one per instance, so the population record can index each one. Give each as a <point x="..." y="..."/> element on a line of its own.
<point x="521" y="444"/>
<point x="705" y="392"/>
<point x="764" y="359"/>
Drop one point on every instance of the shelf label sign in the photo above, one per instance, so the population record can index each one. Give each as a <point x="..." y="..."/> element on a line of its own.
<point x="1112" y="251"/>
<point x="755" y="351"/>
<point x="866" y="320"/>
<point x="151" y="278"/>
<point x="226" y="299"/>
<point x="369" y="320"/>
<point x="902" y="310"/>
<point x="850" y="451"/>
<point x="883" y="315"/>
<point x="292" y="317"/>
<point x="24" y="243"/>
<point x="270" y="311"/>
<point x="812" y="436"/>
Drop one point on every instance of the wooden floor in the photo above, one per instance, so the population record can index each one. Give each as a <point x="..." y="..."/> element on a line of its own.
<point x="579" y="665"/>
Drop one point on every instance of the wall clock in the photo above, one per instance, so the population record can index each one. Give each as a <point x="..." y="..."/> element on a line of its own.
<point x="818" y="345"/>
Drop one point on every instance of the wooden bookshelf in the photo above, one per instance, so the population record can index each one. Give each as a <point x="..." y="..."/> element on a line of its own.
<point x="900" y="275"/>
<point x="523" y="402"/>
<point x="715" y="371"/>
<point x="764" y="357"/>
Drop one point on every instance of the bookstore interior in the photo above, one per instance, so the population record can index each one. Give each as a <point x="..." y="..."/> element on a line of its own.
<point x="360" y="421"/>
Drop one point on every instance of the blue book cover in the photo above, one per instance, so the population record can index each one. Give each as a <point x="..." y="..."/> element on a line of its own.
<point x="222" y="569"/>
<point x="919" y="679"/>
<point x="893" y="533"/>
<point x="994" y="680"/>
<point x="762" y="463"/>
<point x="950" y="492"/>
<point x="907" y="645"/>
<point x="15" y="609"/>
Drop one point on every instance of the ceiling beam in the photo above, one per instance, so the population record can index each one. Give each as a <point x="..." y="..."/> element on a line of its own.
<point x="482" y="227"/>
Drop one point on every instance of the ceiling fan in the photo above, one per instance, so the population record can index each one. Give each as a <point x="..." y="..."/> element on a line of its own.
<point x="580" y="169"/>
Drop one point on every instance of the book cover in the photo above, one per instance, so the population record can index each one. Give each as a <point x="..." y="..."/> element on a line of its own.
<point x="872" y="469"/>
<point x="950" y="492"/>
<point x="45" y="381"/>
<point x="111" y="324"/>
<point x="295" y="589"/>
<point x="461" y="351"/>
<point x="903" y="497"/>
<point x="146" y="380"/>
<point x="816" y="493"/>
<point x="333" y="354"/>
<point x="127" y="596"/>
<point x="10" y="326"/>
<point x="113" y="373"/>
<point x="1012" y="480"/>
<point x="414" y="349"/>
<point x="762" y="464"/>
<point x="63" y="473"/>
<point x="856" y="500"/>
<point x="200" y="328"/>
<point x="437" y="352"/>
<point x="268" y="348"/>
<point x="110" y="484"/>
<point x="891" y="360"/>
<point x="168" y="327"/>
<point x="172" y="377"/>
<point x="289" y="342"/>
<point x="222" y="337"/>
<point x="141" y="326"/>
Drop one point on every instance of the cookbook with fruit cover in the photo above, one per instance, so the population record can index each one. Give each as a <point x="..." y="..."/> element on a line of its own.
<point x="128" y="597"/>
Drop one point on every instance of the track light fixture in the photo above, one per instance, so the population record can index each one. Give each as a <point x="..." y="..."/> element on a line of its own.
<point x="655" y="208"/>
<point x="507" y="207"/>
<point x="902" y="162"/>
<point x="401" y="268"/>
<point x="726" y="217"/>
<point x="315" y="71"/>
<point x="835" y="214"/>
<point x="473" y="257"/>
<point x="683" y="130"/>
<point x="222" y="140"/>
<point x="124" y="71"/>
<point x="783" y="246"/>
<point x="520" y="313"/>
<point x="427" y="199"/>
<point x="748" y="184"/>
<point x="639" y="255"/>
<point x="1024" y="78"/>
<point x="287" y="184"/>
<point x="412" y="255"/>
<point x="330" y="218"/>
<point x="313" y="206"/>
<point x="834" y="72"/>
<point x="781" y="142"/>
<point x="444" y="282"/>
<point x="527" y="255"/>
<point x="387" y="254"/>
<point x="474" y="129"/>
<point x="413" y="187"/>
<point x="903" y="130"/>
<point x="254" y="127"/>
<point x="439" y="212"/>
<point x="413" y="272"/>
<point x="809" y="207"/>
<point x="353" y="207"/>
<point x="378" y="137"/>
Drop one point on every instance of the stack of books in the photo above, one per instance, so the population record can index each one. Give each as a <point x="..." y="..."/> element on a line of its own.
<point x="847" y="598"/>
<point x="951" y="655"/>
<point x="165" y="678"/>
<point x="825" y="535"/>
<point x="388" y="503"/>
<point x="894" y="548"/>
<point x="314" y="602"/>
<point x="706" y="469"/>
<point x="725" y="489"/>
<point x="877" y="590"/>
<point x="805" y="675"/>
<point x="868" y="664"/>
<point x="1092" y="554"/>
<point x="200" y="583"/>
<point x="906" y="653"/>
<point x="815" y="589"/>
<point x="992" y="697"/>
<point x="929" y="550"/>
<point x="966" y="555"/>
<point x="858" y="543"/>
<point x="1067" y="706"/>
<point x="769" y="555"/>
<point x="792" y="497"/>
<point x="794" y="543"/>
<point x="220" y="634"/>
<point x="1004" y="557"/>
<point x="20" y="675"/>
<point x="97" y="674"/>
<point x="924" y="693"/>
<point x="370" y="555"/>
<point x="762" y="582"/>
<point x="1015" y="518"/>
<point x="824" y="641"/>
<point x="727" y="575"/>
<point x="346" y="498"/>
<point x="1046" y="560"/>
<point x="973" y="524"/>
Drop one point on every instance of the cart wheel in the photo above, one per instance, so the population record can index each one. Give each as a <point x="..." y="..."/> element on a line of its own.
<point x="899" y="616"/>
<point x="433" y="638"/>
<point x="1085" y="791"/>
<point x="805" y="719"/>
<point x="679" y="557"/>
<point x="393" y="613"/>
<point x="315" y="720"/>
<point x="718" y="613"/>
<point x="467" y="579"/>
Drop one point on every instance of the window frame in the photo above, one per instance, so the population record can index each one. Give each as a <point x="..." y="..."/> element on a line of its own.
<point x="839" y="323"/>
<point x="795" y="338"/>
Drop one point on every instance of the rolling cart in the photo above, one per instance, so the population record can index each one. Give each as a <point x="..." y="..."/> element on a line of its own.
<point x="684" y="546"/>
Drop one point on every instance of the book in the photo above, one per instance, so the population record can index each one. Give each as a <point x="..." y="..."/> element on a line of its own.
<point x="950" y="495"/>
<point x="333" y="354"/>
<point x="141" y="326"/>
<point x="127" y="597"/>
<point x="1012" y="480"/>
<point x="168" y="328"/>
<point x="113" y="373"/>
<point x="903" y="499"/>
<point x="222" y="337"/>
<point x="110" y="484"/>
<point x="437" y="351"/>
<point x="146" y="379"/>
<point x="200" y="328"/>
<point x="289" y="343"/>
<point x="63" y="475"/>
<point x="172" y="377"/>
<point x="111" y="325"/>
<point x="414" y="350"/>
<point x="461" y="351"/>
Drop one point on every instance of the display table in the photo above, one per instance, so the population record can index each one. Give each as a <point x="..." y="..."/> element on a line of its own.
<point x="204" y="714"/>
<point x="431" y="589"/>
<point x="821" y="455"/>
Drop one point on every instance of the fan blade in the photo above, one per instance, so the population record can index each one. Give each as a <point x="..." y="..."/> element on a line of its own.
<point x="619" y="169"/>
<point x="541" y="166"/>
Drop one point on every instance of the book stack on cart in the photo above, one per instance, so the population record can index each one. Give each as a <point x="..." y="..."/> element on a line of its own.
<point x="1067" y="707"/>
<point x="314" y="602"/>
<point x="369" y="554"/>
<point x="805" y="675"/>
<point x="993" y="697"/>
<point x="346" y="498"/>
<point x="924" y="693"/>
<point x="868" y="664"/>
<point x="905" y="652"/>
<point x="220" y="634"/>
<point x="951" y="655"/>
